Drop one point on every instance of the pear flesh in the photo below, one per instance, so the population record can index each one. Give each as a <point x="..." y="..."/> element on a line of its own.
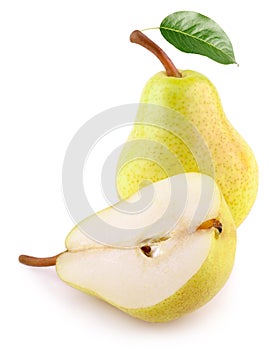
<point x="151" y="213"/>
<point x="168" y="273"/>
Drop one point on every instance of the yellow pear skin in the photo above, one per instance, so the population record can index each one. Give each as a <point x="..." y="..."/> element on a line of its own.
<point x="193" y="96"/>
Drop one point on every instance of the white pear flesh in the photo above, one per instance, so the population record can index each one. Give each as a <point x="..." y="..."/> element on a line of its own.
<point x="185" y="270"/>
<point x="151" y="214"/>
<point x="131" y="279"/>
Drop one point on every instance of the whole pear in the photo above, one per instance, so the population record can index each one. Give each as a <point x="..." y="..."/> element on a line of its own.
<point x="201" y="138"/>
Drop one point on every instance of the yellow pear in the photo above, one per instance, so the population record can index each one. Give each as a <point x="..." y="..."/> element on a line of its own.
<point x="167" y="260"/>
<point x="181" y="126"/>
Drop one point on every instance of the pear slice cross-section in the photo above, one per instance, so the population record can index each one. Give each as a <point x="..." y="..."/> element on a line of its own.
<point x="169" y="275"/>
<point x="164" y="276"/>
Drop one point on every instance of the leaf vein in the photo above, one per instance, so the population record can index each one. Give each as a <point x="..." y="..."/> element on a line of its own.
<point x="199" y="39"/>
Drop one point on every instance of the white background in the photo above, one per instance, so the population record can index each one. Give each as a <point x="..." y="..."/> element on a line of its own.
<point x="61" y="62"/>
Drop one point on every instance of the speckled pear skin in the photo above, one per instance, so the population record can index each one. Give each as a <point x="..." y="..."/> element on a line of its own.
<point x="234" y="166"/>
<point x="205" y="284"/>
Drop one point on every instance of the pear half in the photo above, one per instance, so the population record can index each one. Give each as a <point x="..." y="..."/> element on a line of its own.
<point x="168" y="273"/>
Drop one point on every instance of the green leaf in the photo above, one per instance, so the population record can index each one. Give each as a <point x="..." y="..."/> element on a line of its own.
<point x="195" y="33"/>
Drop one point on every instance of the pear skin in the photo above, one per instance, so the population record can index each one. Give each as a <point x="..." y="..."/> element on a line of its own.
<point x="193" y="96"/>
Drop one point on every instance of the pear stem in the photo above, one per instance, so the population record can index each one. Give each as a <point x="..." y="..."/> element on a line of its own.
<point x="139" y="38"/>
<point x="38" y="262"/>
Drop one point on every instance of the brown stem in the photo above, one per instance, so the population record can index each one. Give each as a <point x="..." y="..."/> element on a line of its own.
<point x="210" y="224"/>
<point x="38" y="262"/>
<point x="139" y="38"/>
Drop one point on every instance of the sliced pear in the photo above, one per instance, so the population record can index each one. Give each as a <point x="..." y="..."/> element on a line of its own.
<point x="176" y="271"/>
<point x="180" y="251"/>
